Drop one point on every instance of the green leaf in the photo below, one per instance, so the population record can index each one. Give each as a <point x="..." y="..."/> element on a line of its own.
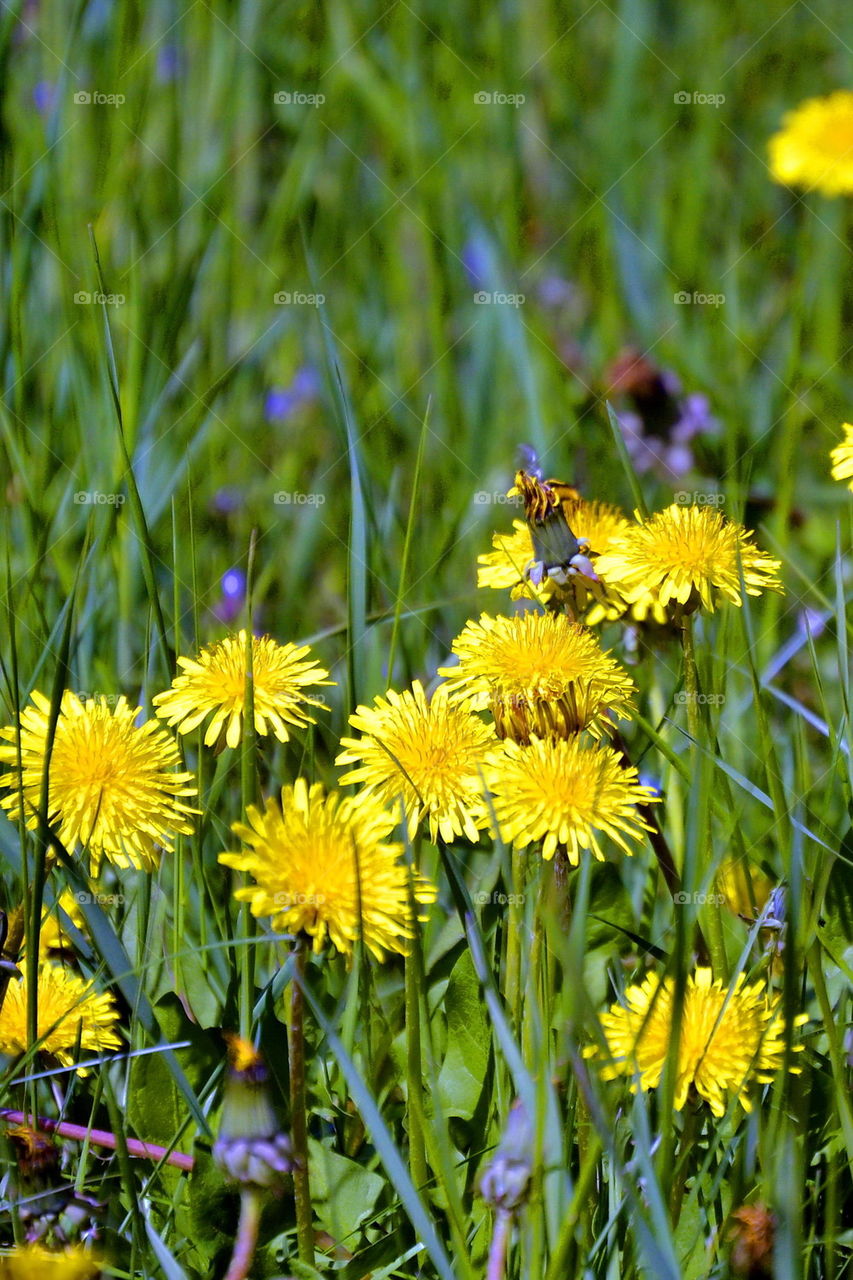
<point x="343" y="1192"/>
<point x="463" y="1072"/>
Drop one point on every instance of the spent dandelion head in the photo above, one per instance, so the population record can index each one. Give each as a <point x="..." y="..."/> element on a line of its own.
<point x="814" y="147"/>
<point x="214" y="684"/>
<point x="323" y="865"/>
<point x="540" y="675"/>
<point x="115" y="786"/>
<point x="69" y="1009"/>
<point x="566" y="795"/>
<point x="729" y="1037"/>
<point x="427" y="754"/>
<point x="688" y="557"/>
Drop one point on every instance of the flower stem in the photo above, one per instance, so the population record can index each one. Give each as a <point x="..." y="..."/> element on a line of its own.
<point x="691" y="678"/>
<point x="716" y="945"/>
<point x="247" y="1235"/>
<point x="512" y="979"/>
<point x="414" y="1070"/>
<point x="298" y="1116"/>
<point x="500" y="1240"/>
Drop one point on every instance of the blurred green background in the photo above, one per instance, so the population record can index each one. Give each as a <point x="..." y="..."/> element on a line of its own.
<point x="232" y="152"/>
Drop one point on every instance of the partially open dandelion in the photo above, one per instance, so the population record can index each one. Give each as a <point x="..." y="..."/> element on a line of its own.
<point x="842" y="456"/>
<point x="566" y="795"/>
<point x="115" y="787"/>
<point x="814" y="147"/>
<point x="214" y="685"/>
<point x="323" y="866"/>
<point x="506" y="567"/>
<point x="68" y="1008"/>
<point x="540" y="675"/>
<point x="689" y="557"/>
<point x="33" y="1262"/>
<point x="729" y="1037"/>
<point x="503" y="568"/>
<point x="429" y="754"/>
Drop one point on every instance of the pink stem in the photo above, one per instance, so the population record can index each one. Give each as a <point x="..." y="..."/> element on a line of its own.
<point x="500" y="1239"/>
<point x="247" y="1235"/>
<point x="100" y="1137"/>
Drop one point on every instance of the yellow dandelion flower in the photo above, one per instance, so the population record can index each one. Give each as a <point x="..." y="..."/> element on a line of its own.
<point x="814" y="147"/>
<point x="427" y="753"/>
<point x="842" y="457"/>
<point x="688" y="556"/>
<point x="744" y="887"/>
<point x="53" y="935"/>
<point x="115" y="786"/>
<point x="32" y="1262"/>
<point x="68" y="1006"/>
<point x="215" y="684"/>
<point x="729" y="1037"/>
<point x="503" y="567"/>
<point x="320" y="862"/>
<point x="540" y="675"/>
<point x="564" y="794"/>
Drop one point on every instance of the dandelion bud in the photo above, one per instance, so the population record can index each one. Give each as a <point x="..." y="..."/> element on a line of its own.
<point x="251" y="1149"/>
<point x="505" y="1183"/>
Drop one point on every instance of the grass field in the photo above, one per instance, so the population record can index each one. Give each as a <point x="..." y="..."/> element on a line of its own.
<point x="286" y="290"/>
